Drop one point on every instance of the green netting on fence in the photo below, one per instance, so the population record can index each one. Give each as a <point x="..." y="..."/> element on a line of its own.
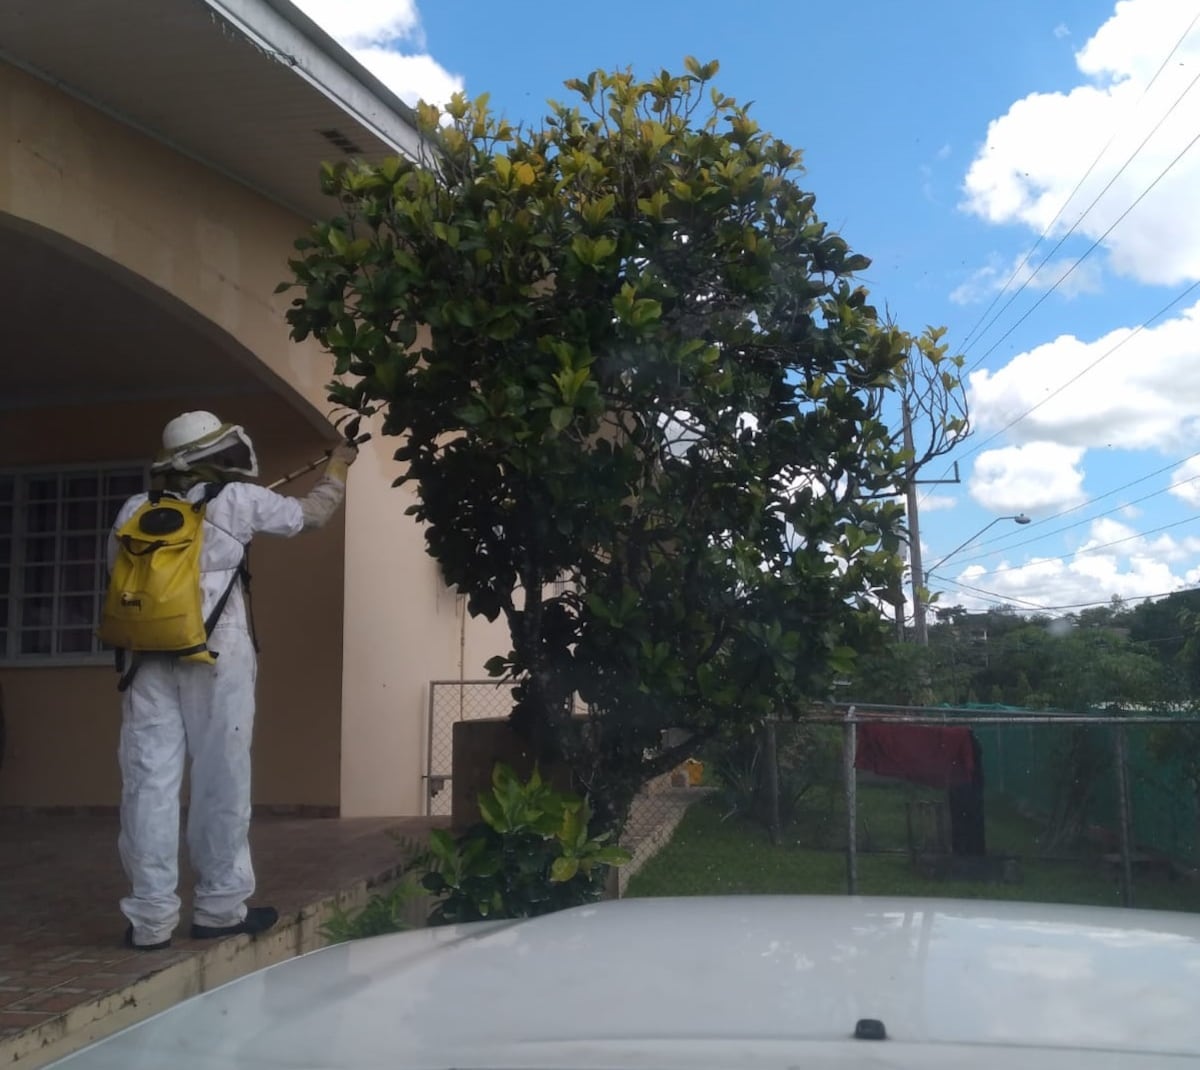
<point x="1042" y="768"/>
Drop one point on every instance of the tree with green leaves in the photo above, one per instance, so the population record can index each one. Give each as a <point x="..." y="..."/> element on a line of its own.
<point x="1171" y="627"/>
<point x="641" y="400"/>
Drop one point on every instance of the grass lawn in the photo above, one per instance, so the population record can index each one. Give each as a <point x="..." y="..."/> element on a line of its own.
<point x="711" y="856"/>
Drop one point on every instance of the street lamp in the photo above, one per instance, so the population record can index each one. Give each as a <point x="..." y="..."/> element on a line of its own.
<point x="919" y="623"/>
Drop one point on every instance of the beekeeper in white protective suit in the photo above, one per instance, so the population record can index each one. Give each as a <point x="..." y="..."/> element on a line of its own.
<point x="173" y="708"/>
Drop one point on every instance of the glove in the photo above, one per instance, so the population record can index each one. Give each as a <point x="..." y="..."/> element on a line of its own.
<point x="341" y="457"/>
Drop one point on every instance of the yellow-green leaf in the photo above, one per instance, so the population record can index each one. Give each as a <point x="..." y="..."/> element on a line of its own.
<point x="681" y="190"/>
<point x="563" y="869"/>
<point x="612" y="856"/>
<point x="602" y="249"/>
<point x="584" y="248"/>
<point x="428" y="116"/>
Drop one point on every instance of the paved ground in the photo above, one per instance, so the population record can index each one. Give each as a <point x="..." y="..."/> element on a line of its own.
<point x="653" y="819"/>
<point x="65" y="977"/>
<point x="61" y="931"/>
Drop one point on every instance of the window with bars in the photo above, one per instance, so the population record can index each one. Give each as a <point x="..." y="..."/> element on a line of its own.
<point x="53" y="530"/>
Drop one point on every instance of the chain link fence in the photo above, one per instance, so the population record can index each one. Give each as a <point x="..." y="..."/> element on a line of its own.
<point x="655" y="814"/>
<point x="1067" y="775"/>
<point x="1096" y="809"/>
<point x="995" y="803"/>
<point x="451" y="701"/>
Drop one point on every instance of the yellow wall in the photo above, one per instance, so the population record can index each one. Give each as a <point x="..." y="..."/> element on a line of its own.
<point x="211" y="243"/>
<point x="63" y="722"/>
<point x="413" y="631"/>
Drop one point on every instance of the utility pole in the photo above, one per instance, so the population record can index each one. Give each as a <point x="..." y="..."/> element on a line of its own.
<point x="920" y="626"/>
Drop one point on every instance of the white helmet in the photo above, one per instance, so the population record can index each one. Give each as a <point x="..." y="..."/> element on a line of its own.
<point x="200" y="437"/>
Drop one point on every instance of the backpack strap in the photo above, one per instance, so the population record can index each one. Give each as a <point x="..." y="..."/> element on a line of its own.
<point x="215" y="616"/>
<point x="244" y="570"/>
<point x="123" y="662"/>
<point x="211" y="490"/>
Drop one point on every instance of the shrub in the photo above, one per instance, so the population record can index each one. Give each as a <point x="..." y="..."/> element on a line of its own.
<point x="385" y="912"/>
<point x="532" y="853"/>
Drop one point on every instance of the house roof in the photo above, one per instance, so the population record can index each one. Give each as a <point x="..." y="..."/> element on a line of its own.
<point x="251" y="88"/>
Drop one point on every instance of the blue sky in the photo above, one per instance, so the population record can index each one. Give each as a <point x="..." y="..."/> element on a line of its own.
<point x="943" y="138"/>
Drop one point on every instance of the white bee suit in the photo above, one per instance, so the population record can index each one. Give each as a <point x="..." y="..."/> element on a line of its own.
<point x="174" y="708"/>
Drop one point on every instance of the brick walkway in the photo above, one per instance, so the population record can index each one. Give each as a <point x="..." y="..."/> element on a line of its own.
<point x="61" y="930"/>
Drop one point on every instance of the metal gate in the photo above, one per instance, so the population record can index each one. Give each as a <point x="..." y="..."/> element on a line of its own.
<point x="451" y="701"/>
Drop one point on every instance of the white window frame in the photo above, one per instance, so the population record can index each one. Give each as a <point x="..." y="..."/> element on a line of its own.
<point x="11" y="605"/>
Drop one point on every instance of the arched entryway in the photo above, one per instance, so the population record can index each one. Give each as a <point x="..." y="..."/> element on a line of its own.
<point x="95" y="360"/>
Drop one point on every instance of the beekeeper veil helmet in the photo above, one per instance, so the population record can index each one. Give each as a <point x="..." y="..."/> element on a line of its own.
<point x="199" y="440"/>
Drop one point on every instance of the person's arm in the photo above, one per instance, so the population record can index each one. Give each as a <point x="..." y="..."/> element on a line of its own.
<point x="320" y="503"/>
<point x="246" y="510"/>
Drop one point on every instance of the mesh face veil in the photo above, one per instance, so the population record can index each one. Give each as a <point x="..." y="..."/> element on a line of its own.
<point x="200" y="439"/>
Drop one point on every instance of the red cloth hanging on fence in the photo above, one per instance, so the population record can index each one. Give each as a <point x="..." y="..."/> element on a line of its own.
<point x="928" y="755"/>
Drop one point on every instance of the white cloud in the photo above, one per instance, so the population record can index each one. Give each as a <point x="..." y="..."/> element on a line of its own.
<point x="1036" y="153"/>
<point x="1143" y="395"/>
<point x="1187" y="475"/>
<point x="1135" y="568"/>
<point x="358" y="23"/>
<point x="1112" y="559"/>
<point x="385" y="36"/>
<point x="1070" y="281"/>
<point x="933" y="502"/>
<point x="1062" y="30"/>
<point x="411" y="78"/>
<point x="1049" y="583"/>
<point x="1028" y="478"/>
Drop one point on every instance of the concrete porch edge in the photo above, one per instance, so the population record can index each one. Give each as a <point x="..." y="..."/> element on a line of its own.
<point x="161" y="987"/>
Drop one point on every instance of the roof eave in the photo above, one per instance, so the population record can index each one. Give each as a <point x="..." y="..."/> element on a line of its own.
<point x="283" y="31"/>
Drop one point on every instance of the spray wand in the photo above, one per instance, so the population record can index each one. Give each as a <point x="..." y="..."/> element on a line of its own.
<point x="324" y="458"/>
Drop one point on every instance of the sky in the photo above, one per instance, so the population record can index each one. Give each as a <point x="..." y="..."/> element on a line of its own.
<point x="1025" y="173"/>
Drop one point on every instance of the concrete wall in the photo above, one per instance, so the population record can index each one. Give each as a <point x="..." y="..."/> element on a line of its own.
<point x="414" y="632"/>
<point x="63" y="722"/>
<point x="200" y="239"/>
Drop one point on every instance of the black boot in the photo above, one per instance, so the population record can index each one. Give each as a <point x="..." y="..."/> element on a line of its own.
<point x="257" y="920"/>
<point x="160" y="946"/>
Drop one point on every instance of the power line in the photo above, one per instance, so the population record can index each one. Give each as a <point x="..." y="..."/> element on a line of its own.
<point x="1003" y="598"/>
<point x="1080" y="523"/>
<point x="1097" y="498"/>
<point x="1086" y="175"/>
<point x="1089" y="250"/>
<point x="1092" y="549"/>
<point x="1083" y="215"/>
<point x="1094" y="245"/>
<point x="1083" y="505"/>
<point x="1103" y="356"/>
<point x="1009" y="599"/>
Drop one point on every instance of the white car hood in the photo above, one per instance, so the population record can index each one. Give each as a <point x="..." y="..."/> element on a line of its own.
<point x="748" y="981"/>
